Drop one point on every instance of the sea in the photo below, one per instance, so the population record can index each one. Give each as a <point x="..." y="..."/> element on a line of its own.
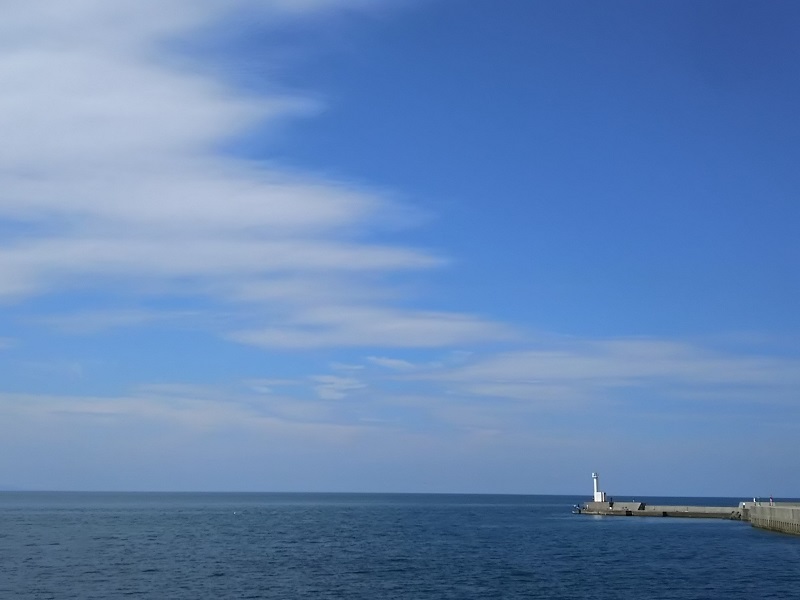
<point x="377" y="546"/>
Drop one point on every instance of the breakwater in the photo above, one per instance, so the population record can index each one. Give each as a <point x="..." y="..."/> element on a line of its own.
<point x="642" y="509"/>
<point x="783" y="517"/>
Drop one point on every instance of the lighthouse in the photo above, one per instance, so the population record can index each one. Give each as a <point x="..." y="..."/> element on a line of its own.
<point x="598" y="495"/>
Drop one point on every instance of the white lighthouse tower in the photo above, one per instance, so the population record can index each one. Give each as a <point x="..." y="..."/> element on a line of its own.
<point x="598" y="495"/>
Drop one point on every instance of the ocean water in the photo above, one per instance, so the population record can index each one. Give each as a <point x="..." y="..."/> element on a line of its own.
<point x="352" y="546"/>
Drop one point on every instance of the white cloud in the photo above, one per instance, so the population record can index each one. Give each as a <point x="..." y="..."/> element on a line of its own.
<point x="396" y="364"/>
<point x="127" y="23"/>
<point x="372" y="326"/>
<point x="589" y="370"/>
<point x="334" y="387"/>
<point x="176" y="408"/>
<point x="337" y="366"/>
<point x="268" y="385"/>
<point x="68" y="369"/>
<point x="52" y="261"/>
<point x="110" y="171"/>
<point x="99" y="320"/>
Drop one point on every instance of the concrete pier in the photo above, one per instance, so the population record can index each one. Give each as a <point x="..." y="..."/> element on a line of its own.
<point x="641" y="509"/>
<point x="783" y="517"/>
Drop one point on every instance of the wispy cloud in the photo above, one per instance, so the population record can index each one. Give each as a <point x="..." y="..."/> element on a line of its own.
<point x="373" y="326"/>
<point x="176" y="408"/>
<point x="111" y="175"/>
<point x="335" y="387"/>
<point x="590" y="369"/>
<point x="63" y="369"/>
<point x="269" y="385"/>
<point x="396" y="364"/>
<point x="99" y="320"/>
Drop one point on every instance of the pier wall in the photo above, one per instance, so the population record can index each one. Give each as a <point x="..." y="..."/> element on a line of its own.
<point x="641" y="509"/>
<point x="783" y="518"/>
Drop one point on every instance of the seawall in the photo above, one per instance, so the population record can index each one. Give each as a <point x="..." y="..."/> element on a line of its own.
<point x="775" y="516"/>
<point x="641" y="509"/>
<point x="784" y="518"/>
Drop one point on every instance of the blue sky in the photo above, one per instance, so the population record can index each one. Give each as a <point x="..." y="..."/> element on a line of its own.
<point x="424" y="246"/>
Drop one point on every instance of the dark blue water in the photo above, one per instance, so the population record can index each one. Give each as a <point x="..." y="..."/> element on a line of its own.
<point x="283" y="546"/>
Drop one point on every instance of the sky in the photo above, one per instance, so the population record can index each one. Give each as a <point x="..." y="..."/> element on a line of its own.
<point x="400" y="246"/>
